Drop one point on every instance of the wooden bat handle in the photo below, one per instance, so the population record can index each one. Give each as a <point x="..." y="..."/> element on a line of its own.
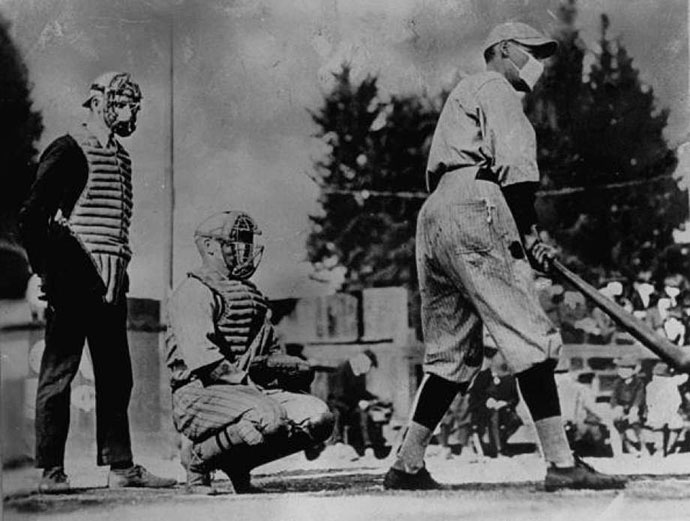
<point x="676" y="356"/>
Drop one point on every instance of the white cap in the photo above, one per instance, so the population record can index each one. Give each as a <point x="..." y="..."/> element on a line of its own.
<point x="542" y="45"/>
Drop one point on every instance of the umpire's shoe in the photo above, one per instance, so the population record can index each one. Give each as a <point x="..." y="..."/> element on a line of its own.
<point x="54" y="481"/>
<point x="138" y="477"/>
<point x="399" y="480"/>
<point x="581" y="476"/>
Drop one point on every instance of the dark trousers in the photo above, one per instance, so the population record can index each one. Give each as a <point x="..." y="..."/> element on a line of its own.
<point x="70" y="321"/>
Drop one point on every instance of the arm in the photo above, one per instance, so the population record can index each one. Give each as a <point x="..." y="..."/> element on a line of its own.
<point x="191" y="312"/>
<point x="507" y="134"/>
<point x="511" y="142"/>
<point x="58" y="177"/>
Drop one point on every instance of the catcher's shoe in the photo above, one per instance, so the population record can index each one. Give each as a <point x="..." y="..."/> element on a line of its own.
<point x="382" y="451"/>
<point x="54" y="481"/>
<point x="581" y="476"/>
<point x="241" y="481"/>
<point x="399" y="480"/>
<point x="138" y="477"/>
<point x="199" y="476"/>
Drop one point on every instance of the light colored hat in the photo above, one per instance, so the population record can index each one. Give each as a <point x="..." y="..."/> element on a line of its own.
<point x="542" y="46"/>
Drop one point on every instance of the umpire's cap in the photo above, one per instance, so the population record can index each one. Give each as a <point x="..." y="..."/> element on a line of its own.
<point x="542" y="46"/>
<point x="372" y="356"/>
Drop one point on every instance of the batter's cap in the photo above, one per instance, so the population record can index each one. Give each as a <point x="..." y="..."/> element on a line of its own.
<point x="542" y="46"/>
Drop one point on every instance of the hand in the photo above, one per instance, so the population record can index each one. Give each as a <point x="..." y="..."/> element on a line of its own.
<point x="540" y="254"/>
<point x="35" y="292"/>
<point x="364" y="404"/>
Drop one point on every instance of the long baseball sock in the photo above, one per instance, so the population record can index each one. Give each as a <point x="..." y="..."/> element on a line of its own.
<point x="240" y="434"/>
<point x="433" y="399"/>
<point x="539" y="391"/>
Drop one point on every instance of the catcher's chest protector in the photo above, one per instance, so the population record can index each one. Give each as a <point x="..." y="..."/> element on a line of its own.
<point x="240" y="311"/>
<point x="102" y="214"/>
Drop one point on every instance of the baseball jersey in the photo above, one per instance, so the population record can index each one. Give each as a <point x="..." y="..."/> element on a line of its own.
<point x="483" y="125"/>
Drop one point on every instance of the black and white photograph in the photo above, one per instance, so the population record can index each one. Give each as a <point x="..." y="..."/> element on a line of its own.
<point x="344" y="260"/>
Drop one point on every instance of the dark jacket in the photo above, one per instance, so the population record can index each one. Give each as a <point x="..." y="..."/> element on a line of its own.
<point x="55" y="254"/>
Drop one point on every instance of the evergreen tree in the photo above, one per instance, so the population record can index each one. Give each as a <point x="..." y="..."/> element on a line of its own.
<point x="369" y="181"/>
<point x="602" y="134"/>
<point x="20" y="128"/>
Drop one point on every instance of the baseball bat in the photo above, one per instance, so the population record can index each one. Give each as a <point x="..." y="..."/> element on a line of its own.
<point x="676" y="356"/>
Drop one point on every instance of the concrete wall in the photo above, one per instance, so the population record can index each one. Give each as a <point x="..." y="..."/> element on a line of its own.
<point x="21" y="347"/>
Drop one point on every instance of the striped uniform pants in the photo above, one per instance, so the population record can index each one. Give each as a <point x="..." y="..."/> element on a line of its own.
<point x="473" y="272"/>
<point x="200" y="412"/>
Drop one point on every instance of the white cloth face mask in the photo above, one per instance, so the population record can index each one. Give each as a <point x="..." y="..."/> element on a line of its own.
<point x="531" y="71"/>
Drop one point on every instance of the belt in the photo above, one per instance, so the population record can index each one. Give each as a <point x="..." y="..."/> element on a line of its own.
<point x="486" y="174"/>
<point x="483" y="174"/>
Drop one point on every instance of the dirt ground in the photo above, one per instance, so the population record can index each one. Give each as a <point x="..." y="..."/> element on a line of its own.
<point x="351" y="495"/>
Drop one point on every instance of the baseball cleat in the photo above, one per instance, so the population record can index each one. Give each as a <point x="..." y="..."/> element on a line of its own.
<point x="399" y="480"/>
<point x="581" y="476"/>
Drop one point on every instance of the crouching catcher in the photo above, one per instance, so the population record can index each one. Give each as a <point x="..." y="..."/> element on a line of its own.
<point x="231" y="383"/>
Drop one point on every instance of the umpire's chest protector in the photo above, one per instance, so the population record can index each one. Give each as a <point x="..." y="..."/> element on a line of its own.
<point x="239" y="312"/>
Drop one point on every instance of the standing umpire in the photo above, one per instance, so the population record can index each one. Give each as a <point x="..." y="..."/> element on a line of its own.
<point x="75" y="227"/>
<point x="476" y="238"/>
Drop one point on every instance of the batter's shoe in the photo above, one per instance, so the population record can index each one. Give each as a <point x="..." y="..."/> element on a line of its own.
<point x="54" y="481"/>
<point x="399" y="480"/>
<point x="137" y="476"/>
<point x="581" y="476"/>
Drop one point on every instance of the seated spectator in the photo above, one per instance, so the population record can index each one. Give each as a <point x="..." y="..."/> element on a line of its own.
<point x="455" y="429"/>
<point x="644" y="295"/>
<point x="628" y="404"/>
<point x="585" y="423"/>
<point x="674" y="327"/>
<point x="573" y="309"/>
<point x="664" y="402"/>
<point x="684" y="315"/>
<point x="493" y="399"/>
<point x="674" y="284"/>
<point x="352" y="403"/>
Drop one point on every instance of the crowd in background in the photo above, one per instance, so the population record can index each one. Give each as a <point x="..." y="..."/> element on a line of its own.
<point x="633" y="406"/>
<point x="664" y="306"/>
<point x="645" y="412"/>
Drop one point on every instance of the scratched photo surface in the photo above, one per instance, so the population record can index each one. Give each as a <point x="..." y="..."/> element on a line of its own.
<point x="231" y="95"/>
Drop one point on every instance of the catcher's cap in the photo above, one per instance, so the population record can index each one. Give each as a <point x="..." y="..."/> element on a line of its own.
<point x="230" y="225"/>
<point x="542" y="46"/>
<point x="109" y="80"/>
<point x="372" y="356"/>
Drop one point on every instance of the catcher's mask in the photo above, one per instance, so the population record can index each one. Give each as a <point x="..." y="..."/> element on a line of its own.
<point x="121" y="101"/>
<point x="235" y="232"/>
